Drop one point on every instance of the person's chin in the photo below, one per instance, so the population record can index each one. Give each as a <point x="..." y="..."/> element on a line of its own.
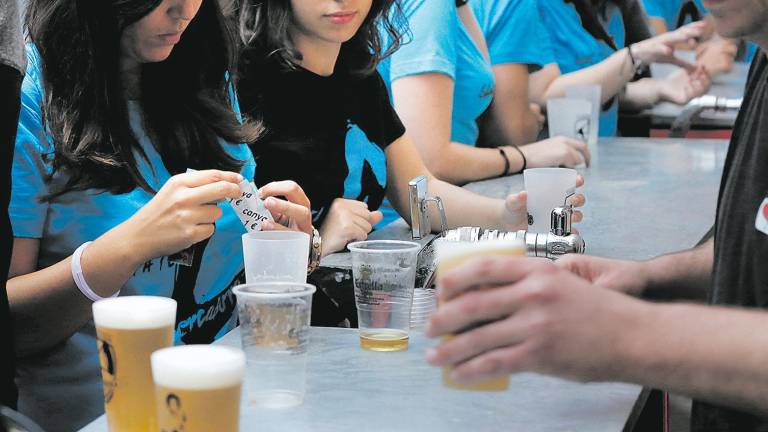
<point x="158" y="55"/>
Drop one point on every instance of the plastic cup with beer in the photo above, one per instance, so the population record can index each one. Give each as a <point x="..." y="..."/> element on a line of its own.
<point x="384" y="275"/>
<point x="451" y="255"/>
<point x="129" y="329"/>
<point x="547" y="188"/>
<point x="198" y="387"/>
<point x="276" y="256"/>
<point x="274" y="329"/>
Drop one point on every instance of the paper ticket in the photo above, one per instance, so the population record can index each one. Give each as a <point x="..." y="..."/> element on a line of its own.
<point x="250" y="207"/>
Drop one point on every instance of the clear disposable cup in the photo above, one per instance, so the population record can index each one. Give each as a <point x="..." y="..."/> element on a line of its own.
<point x="384" y="274"/>
<point x="198" y="387"/>
<point x="547" y="188"/>
<point x="129" y="329"/>
<point x="276" y="256"/>
<point x="274" y="328"/>
<point x="591" y="93"/>
<point x="571" y="118"/>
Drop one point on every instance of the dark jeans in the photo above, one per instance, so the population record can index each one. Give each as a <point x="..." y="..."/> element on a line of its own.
<point x="10" y="83"/>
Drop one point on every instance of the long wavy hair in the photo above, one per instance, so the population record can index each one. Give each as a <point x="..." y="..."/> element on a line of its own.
<point x="185" y="99"/>
<point x="266" y="24"/>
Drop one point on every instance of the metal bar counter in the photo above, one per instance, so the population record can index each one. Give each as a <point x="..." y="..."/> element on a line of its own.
<point x="644" y="198"/>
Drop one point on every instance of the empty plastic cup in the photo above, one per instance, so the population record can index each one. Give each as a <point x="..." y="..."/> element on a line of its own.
<point x="547" y="188"/>
<point x="276" y="256"/>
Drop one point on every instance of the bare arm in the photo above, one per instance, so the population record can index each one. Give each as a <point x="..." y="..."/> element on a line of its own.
<point x="684" y="275"/>
<point x="47" y="306"/>
<point x="424" y="103"/>
<point x="511" y="109"/>
<point x="461" y="206"/>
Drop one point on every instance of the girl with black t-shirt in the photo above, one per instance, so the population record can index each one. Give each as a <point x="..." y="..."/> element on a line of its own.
<point x="309" y="73"/>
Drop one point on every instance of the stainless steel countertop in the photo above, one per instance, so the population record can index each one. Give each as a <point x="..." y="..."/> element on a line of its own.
<point x="644" y="198"/>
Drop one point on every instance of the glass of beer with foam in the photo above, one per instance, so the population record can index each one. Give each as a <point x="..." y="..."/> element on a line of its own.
<point x="129" y="329"/>
<point x="451" y="255"/>
<point x="198" y="387"/>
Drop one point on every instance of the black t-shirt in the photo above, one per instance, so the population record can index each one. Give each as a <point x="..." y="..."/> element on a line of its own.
<point x="740" y="275"/>
<point x="328" y="134"/>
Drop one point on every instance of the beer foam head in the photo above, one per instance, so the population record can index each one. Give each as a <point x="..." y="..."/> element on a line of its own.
<point x="448" y="250"/>
<point x="135" y="312"/>
<point x="198" y="367"/>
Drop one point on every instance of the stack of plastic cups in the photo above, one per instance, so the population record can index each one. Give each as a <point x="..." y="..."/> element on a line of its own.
<point x="424" y="304"/>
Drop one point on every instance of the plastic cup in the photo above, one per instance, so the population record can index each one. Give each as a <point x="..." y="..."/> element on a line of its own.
<point x="591" y="93"/>
<point x="198" y="388"/>
<point x="384" y="274"/>
<point x="571" y="118"/>
<point x="274" y="329"/>
<point x="276" y="256"/>
<point x="547" y="188"/>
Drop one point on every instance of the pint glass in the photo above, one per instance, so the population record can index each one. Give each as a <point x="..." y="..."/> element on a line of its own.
<point x="129" y="329"/>
<point x="197" y="388"/>
<point x="451" y="255"/>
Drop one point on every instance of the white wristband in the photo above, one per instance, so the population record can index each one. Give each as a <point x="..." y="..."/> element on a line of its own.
<point x="77" y="275"/>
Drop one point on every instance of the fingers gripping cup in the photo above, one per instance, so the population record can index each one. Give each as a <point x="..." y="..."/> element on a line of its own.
<point x="276" y="256"/>
<point x="547" y="188"/>
<point x="129" y="329"/>
<point x="451" y="255"/>
<point x="198" y="387"/>
<point x="384" y="274"/>
<point x="274" y="329"/>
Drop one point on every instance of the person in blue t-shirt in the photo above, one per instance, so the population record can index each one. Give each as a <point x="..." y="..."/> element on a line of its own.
<point x="586" y="54"/>
<point x="310" y="72"/>
<point x="116" y="106"/>
<point x="442" y="81"/>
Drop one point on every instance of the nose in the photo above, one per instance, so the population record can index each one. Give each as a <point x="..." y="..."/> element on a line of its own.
<point x="184" y="10"/>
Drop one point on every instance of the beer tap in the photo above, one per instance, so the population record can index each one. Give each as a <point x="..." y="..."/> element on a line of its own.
<point x="419" y="202"/>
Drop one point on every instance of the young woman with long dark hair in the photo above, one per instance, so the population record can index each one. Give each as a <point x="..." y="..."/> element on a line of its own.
<point x="309" y="73"/>
<point x="121" y="97"/>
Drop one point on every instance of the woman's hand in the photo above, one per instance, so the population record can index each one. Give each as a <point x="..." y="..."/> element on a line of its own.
<point x="514" y="214"/>
<point x="554" y="152"/>
<point x="183" y="213"/>
<point x="661" y="49"/>
<point x="681" y="87"/>
<point x="347" y="221"/>
<point x="295" y="214"/>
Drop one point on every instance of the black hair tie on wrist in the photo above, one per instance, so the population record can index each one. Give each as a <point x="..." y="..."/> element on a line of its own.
<point x="506" y="162"/>
<point x="460" y="3"/>
<point x="525" y="161"/>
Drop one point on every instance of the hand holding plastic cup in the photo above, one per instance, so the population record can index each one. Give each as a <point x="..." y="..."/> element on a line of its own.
<point x="384" y="275"/>
<point x="276" y="256"/>
<point x="274" y="329"/>
<point x="547" y="188"/>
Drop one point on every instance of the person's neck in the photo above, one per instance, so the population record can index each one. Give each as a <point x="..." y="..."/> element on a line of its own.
<point x="130" y="76"/>
<point x="316" y="56"/>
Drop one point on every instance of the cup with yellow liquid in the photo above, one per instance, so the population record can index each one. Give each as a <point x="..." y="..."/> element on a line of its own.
<point x="129" y="329"/>
<point x="198" y="387"/>
<point x="384" y="274"/>
<point x="451" y="255"/>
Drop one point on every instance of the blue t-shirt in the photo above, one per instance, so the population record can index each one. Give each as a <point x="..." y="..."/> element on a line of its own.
<point x="61" y="388"/>
<point x="513" y="31"/>
<point x="669" y="10"/>
<point x="574" y="48"/>
<point x="438" y="43"/>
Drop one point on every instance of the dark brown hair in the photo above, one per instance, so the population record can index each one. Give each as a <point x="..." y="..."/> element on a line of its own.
<point x="185" y="100"/>
<point x="267" y="23"/>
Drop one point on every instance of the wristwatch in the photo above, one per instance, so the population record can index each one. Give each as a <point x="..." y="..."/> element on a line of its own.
<point x="315" y="251"/>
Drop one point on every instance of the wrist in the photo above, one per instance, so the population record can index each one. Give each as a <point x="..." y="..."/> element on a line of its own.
<point x="633" y="341"/>
<point x="123" y="247"/>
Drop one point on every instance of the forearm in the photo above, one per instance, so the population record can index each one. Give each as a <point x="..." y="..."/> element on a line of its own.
<point x="708" y="353"/>
<point x="640" y="95"/>
<point x="465" y="208"/>
<point x="460" y="163"/>
<point x="685" y="275"/>
<point x="47" y="306"/>
<point x="513" y="127"/>
<point x="612" y="75"/>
